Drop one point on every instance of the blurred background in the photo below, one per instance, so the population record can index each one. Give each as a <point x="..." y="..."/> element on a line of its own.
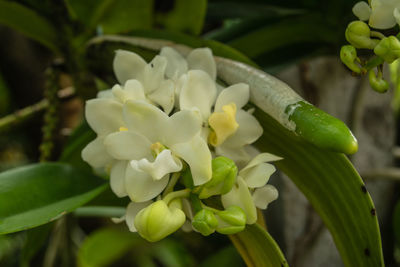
<point x="43" y="86"/>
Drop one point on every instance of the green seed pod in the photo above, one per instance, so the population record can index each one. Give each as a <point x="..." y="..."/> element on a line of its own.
<point x="224" y="172"/>
<point x="377" y="82"/>
<point x="358" y="34"/>
<point x="348" y="55"/>
<point x="388" y="49"/>
<point x="205" y="222"/>
<point x="231" y="221"/>
<point x="159" y="220"/>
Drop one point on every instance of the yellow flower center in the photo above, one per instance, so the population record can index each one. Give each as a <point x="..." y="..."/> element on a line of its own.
<point x="223" y="124"/>
<point x="156" y="148"/>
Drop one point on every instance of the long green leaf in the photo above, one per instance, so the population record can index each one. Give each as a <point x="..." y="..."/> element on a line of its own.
<point x="258" y="248"/>
<point x="37" y="194"/>
<point x="28" y="23"/>
<point x="333" y="187"/>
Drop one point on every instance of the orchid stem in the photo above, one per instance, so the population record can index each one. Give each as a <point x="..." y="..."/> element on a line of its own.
<point x="178" y="194"/>
<point x="170" y="187"/>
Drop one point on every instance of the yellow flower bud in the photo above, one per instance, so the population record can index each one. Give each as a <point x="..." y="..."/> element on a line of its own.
<point x="159" y="220"/>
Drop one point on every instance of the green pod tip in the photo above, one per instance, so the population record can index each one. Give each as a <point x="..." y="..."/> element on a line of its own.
<point x="321" y="129"/>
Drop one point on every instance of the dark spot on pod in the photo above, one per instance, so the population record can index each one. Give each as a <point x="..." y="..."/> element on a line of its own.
<point x="364" y="189"/>
<point x="152" y="65"/>
<point x="367" y="252"/>
<point x="373" y="212"/>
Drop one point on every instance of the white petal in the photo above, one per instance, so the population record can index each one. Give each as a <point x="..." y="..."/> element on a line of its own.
<point x="176" y="65"/>
<point x="259" y="175"/>
<point x="260" y="158"/>
<point x="396" y="15"/>
<point x="127" y="145"/>
<point x="104" y="115"/>
<point x="153" y="74"/>
<point x="133" y="90"/>
<point x="127" y="65"/>
<point x="197" y="154"/>
<point x="164" y="164"/>
<point x="382" y="14"/>
<point x="238" y="94"/>
<point x="198" y="91"/>
<point x="105" y="94"/>
<point x="131" y="211"/>
<point x="182" y="127"/>
<point x="241" y="196"/>
<point x="248" y="132"/>
<point x="145" y="119"/>
<point x="202" y="59"/>
<point x="362" y="10"/>
<point x="117" y="178"/>
<point x="141" y="187"/>
<point x="264" y="195"/>
<point x="164" y="96"/>
<point x="95" y="153"/>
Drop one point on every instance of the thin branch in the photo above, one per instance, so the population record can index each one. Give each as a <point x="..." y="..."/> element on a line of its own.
<point x="22" y="115"/>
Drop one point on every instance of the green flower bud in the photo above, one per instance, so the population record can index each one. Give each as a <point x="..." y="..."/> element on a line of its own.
<point x="358" y="34"/>
<point x="205" y="222"/>
<point x="348" y="55"/>
<point x="159" y="220"/>
<point x="231" y="221"/>
<point x="388" y="49"/>
<point x="377" y="83"/>
<point x="224" y="173"/>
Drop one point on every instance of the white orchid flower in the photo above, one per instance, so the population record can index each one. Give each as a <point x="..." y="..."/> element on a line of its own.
<point x="251" y="190"/>
<point x="151" y="132"/>
<point x="382" y="14"/>
<point x="232" y="128"/>
<point x="157" y="89"/>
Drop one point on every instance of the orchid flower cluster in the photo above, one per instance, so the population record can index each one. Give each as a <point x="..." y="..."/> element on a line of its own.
<point x="381" y="15"/>
<point x="178" y="144"/>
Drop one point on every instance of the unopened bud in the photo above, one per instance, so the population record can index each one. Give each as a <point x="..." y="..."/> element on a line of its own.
<point x="224" y="172"/>
<point x="205" y="222"/>
<point x="159" y="220"/>
<point x="377" y="82"/>
<point x="358" y="34"/>
<point x="348" y="55"/>
<point x="388" y="49"/>
<point x="231" y="221"/>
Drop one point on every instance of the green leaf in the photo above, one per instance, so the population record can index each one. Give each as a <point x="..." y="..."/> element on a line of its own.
<point x="39" y="193"/>
<point x="105" y="246"/>
<point x="186" y="16"/>
<point x="333" y="187"/>
<point x="258" y="248"/>
<point x="113" y="16"/>
<point x="305" y="29"/>
<point x="28" y="23"/>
